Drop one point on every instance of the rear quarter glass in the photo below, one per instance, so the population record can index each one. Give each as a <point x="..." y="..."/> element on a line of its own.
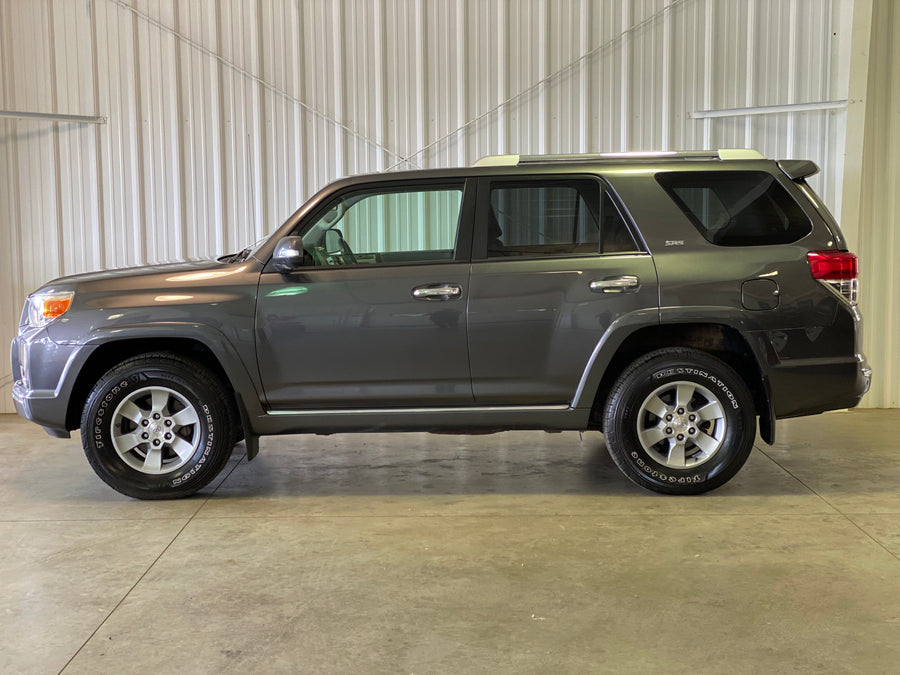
<point x="737" y="208"/>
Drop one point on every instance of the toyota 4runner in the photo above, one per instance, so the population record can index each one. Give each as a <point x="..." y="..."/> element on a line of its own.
<point x="668" y="300"/>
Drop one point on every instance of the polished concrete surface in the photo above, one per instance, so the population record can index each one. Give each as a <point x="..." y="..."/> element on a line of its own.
<point x="521" y="552"/>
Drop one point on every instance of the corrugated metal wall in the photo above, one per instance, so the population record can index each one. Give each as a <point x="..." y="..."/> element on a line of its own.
<point x="222" y="116"/>
<point x="878" y="239"/>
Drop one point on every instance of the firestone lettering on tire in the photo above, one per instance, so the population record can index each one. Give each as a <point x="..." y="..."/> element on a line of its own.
<point x="104" y="404"/>
<point x="661" y="475"/>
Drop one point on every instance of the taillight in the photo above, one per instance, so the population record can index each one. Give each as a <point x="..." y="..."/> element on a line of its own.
<point x="833" y="265"/>
<point x="838" y="270"/>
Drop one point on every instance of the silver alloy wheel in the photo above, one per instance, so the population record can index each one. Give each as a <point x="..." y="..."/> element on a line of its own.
<point x="681" y="424"/>
<point x="155" y="430"/>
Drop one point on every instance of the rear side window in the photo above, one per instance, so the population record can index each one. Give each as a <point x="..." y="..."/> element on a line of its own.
<point x="554" y="218"/>
<point x="737" y="208"/>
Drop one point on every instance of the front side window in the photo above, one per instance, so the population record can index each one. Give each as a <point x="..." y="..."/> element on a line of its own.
<point x="737" y="208"/>
<point x="387" y="227"/>
<point x="554" y="218"/>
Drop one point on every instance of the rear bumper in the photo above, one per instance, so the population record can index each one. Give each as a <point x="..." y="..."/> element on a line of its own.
<point x="810" y="386"/>
<point x="865" y="380"/>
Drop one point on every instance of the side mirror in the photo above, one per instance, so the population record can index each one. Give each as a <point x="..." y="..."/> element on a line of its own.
<point x="288" y="254"/>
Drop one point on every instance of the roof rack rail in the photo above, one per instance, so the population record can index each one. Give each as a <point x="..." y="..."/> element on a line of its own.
<point x="519" y="160"/>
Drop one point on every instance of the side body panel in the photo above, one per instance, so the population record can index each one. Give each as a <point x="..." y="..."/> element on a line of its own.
<point x="534" y="324"/>
<point x="805" y="336"/>
<point x="210" y="303"/>
<point x="356" y="337"/>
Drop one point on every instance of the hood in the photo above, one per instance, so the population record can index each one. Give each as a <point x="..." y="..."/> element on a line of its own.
<point x="160" y="278"/>
<point x="124" y="273"/>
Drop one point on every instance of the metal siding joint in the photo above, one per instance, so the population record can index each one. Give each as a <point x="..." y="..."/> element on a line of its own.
<point x="53" y="117"/>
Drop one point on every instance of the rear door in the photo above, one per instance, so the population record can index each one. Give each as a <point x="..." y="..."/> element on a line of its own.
<point x="555" y="265"/>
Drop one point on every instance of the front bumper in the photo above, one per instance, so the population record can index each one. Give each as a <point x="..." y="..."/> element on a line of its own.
<point x="44" y="375"/>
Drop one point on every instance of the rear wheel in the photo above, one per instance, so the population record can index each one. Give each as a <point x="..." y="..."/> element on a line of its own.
<point x="158" y="426"/>
<point x="679" y="421"/>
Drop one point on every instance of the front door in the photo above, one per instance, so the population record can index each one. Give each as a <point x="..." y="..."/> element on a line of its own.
<point x="377" y="318"/>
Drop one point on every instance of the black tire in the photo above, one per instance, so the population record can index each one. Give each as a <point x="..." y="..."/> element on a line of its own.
<point x="158" y="426"/>
<point x="682" y="447"/>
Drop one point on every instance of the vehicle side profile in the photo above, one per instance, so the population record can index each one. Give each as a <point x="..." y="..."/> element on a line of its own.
<point x="670" y="301"/>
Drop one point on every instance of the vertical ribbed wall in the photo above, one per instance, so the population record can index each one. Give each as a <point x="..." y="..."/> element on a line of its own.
<point x="879" y="213"/>
<point x="222" y="116"/>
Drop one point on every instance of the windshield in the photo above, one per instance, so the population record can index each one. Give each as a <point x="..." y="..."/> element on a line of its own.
<point x="245" y="253"/>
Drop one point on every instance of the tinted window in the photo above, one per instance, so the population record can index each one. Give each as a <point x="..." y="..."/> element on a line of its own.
<point x="614" y="234"/>
<point x="737" y="208"/>
<point x="554" y="218"/>
<point x="387" y="227"/>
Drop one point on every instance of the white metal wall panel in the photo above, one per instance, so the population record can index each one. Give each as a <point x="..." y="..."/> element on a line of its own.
<point x="222" y="116"/>
<point x="878" y="242"/>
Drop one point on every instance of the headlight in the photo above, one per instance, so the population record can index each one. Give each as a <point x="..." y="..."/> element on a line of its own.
<point x="45" y="307"/>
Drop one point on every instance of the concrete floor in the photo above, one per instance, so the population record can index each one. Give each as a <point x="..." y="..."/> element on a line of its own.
<point x="519" y="552"/>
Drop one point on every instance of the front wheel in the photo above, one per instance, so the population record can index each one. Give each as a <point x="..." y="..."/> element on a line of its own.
<point x="158" y="426"/>
<point x="679" y="421"/>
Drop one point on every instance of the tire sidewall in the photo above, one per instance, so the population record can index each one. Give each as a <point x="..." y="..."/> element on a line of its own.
<point x="97" y="430"/>
<point x="739" y="416"/>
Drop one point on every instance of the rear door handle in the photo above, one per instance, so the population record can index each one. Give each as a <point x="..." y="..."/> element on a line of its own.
<point x="437" y="292"/>
<point x="616" y="284"/>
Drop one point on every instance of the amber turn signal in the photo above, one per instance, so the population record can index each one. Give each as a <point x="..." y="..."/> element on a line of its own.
<point x="45" y="307"/>
<point x="54" y="307"/>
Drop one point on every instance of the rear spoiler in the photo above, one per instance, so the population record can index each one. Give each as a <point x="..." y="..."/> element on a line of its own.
<point x="798" y="169"/>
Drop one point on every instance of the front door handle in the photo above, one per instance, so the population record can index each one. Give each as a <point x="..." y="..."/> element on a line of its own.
<point x="437" y="292"/>
<point x="616" y="284"/>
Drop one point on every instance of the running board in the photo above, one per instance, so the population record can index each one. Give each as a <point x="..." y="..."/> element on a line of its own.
<point x="494" y="418"/>
<point x="417" y="411"/>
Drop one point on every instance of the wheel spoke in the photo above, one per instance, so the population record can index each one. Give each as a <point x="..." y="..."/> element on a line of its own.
<point x="160" y="399"/>
<point x="684" y="394"/>
<point x="676" y="454"/>
<point x="688" y="411"/>
<point x="182" y="448"/>
<point x="131" y="412"/>
<point x="706" y="443"/>
<point x="185" y="417"/>
<point x="710" y="411"/>
<point x="652" y="436"/>
<point x="127" y="442"/>
<point x="153" y="461"/>
<point x="656" y="406"/>
<point x="156" y="415"/>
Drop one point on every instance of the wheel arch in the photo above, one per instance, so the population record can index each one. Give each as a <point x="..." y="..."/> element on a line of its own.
<point x="110" y="352"/>
<point x="717" y="339"/>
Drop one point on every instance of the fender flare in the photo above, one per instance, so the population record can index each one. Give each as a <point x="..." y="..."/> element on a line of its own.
<point x="609" y="343"/>
<point x="627" y="325"/>
<point x="233" y="366"/>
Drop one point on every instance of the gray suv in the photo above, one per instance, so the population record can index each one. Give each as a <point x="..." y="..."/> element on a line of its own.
<point x="668" y="300"/>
